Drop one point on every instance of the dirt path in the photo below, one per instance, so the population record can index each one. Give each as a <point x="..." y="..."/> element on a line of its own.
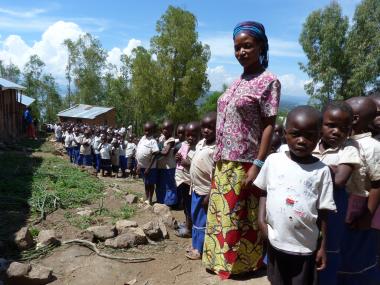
<point x="77" y="265"/>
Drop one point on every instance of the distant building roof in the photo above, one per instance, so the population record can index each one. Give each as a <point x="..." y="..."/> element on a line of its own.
<point x="84" y="111"/>
<point x="25" y="100"/>
<point x="6" y="84"/>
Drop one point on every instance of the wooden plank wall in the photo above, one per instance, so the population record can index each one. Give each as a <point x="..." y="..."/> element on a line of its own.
<point x="10" y="116"/>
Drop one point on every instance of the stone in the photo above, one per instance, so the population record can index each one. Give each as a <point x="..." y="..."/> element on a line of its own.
<point x="131" y="199"/>
<point x="86" y="236"/>
<point x="161" y="209"/>
<point x="17" y="269"/>
<point x="40" y="274"/>
<point x="122" y="225"/>
<point x="121" y="241"/>
<point x="102" y="232"/>
<point x="139" y="236"/>
<point x="164" y="230"/>
<point x="23" y="239"/>
<point x="47" y="237"/>
<point x="132" y="237"/>
<point x="152" y="230"/>
<point x="3" y="265"/>
<point x="85" y="212"/>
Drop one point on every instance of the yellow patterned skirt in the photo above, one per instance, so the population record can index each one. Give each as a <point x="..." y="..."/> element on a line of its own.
<point x="233" y="243"/>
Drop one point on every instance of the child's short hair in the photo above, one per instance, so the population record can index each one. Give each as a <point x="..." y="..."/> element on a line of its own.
<point x="339" y="105"/>
<point x="308" y="112"/>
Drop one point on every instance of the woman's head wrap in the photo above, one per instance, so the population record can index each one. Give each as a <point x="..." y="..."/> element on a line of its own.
<point x="257" y="31"/>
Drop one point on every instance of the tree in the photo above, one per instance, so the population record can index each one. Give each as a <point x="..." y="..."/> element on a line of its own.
<point x="71" y="60"/>
<point x="87" y="62"/>
<point x="364" y="49"/>
<point x="51" y="101"/>
<point x="10" y="72"/>
<point x="43" y="88"/>
<point x="210" y="104"/>
<point x="324" y="39"/>
<point x="32" y="75"/>
<point x="343" y="61"/>
<point x="181" y="63"/>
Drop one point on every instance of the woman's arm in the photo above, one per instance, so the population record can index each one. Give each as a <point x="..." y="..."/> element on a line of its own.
<point x="268" y="126"/>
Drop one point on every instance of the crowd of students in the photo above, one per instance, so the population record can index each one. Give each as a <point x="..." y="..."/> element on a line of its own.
<point x="320" y="185"/>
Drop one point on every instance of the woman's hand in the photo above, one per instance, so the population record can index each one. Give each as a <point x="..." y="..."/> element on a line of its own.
<point x="251" y="176"/>
<point x="205" y="201"/>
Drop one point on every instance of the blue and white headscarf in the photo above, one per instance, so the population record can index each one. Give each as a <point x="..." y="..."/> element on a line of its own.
<point x="257" y="31"/>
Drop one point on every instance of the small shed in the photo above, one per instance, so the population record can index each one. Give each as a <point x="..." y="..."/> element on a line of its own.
<point x="10" y="110"/>
<point x="90" y="115"/>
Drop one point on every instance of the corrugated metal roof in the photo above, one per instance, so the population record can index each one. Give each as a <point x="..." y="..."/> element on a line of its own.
<point x="6" y="84"/>
<point x="25" y="100"/>
<point x="84" y="111"/>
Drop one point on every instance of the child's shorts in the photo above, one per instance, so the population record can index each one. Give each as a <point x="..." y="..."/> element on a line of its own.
<point x="123" y="162"/>
<point x="287" y="268"/>
<point x="151" y="178"/>
<point x="87" y="160"/>
<point x="115" y="168"/>
<point x="105" y="164"/>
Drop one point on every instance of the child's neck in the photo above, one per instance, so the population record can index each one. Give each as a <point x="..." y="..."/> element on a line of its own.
<point x="324" y="146"/>
<point x="303" y="160"/>
<point x="210" y="142"/>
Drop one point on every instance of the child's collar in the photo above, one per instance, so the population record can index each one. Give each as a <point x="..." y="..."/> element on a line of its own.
<point x="360" y="136"/>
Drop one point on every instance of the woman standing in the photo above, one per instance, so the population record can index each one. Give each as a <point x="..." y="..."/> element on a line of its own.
<point x="246" y="117"/>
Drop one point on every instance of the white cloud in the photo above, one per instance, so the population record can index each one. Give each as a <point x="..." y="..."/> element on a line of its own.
<point x="22" y="14"/>
<point x="219" y="76"/>
<point x="292" y="85"/>
<point x="51" y="50"/>
<point x="115" y="53"/>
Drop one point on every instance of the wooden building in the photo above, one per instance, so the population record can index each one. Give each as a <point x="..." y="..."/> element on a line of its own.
<point x="90" y="115"/>
<point x="11" y="111"/>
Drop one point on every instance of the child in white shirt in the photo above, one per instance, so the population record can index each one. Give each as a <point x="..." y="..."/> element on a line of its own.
<point x="146" y="150"/>
<point x="104" y="149"/>
<point x="358" y="252"/>
<point x="130" y="152"/>
<point x="299" y="190"/>
<point x="166" y="190"/>
<point x="201" y="170"/>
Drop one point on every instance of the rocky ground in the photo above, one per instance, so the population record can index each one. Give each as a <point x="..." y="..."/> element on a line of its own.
<point x="147" y="249"/>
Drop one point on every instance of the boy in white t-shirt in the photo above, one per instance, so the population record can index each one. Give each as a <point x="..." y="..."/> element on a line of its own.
<point x="104" y="149"/>
<point x="201" y="170"/>
<point x="68" y="143"/>
<point x="376" y="122"/>
<point x="299" y="193"/>
<point x="146" y="150"/>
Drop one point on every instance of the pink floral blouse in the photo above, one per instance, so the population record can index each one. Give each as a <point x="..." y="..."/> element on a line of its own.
<point x="240" y="110"/>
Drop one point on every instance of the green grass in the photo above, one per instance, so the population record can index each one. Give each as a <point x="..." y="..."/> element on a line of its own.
<point x="32" y="185"/>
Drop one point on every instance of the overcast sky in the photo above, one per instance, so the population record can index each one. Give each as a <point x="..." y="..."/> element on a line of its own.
<point x="39" y="27"/>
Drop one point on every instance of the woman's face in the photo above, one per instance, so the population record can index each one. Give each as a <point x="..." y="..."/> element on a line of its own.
<point x="247" y="49"/>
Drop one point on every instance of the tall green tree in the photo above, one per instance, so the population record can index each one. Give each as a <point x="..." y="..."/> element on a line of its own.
<point x="324" y="40"/>
<point x="72" y="56"/>
<point x="86" y="65"/>
<point x="42" y="87"/>
<point x="342" y="61"/>
<point x="32" y="80"/>
<point x="181" y="62"/>
<point x="210" y="104"/>
<point x="364" y="48"/>
<point x="10" y="72"/>
<point x="146" y="101"/>
<point x="51" y="101"/>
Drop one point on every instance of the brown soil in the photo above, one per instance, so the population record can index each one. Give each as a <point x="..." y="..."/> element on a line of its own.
<point x="76" y="265"/>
